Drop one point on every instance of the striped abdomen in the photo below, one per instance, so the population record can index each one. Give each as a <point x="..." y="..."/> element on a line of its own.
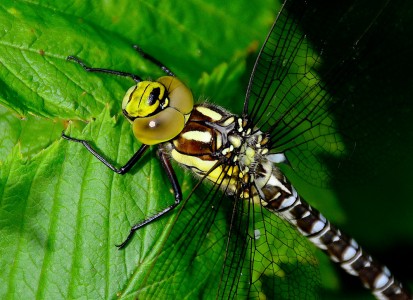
<point x="341" y="248"/>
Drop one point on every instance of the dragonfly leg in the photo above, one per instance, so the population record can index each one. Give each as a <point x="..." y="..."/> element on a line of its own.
<point x="153" y="60"/>
<point x="122" y="170"/>
<point x="166" y="164"/>
<point x="136" y="78"/>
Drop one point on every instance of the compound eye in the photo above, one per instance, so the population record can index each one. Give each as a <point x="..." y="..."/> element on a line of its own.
<point x="143" y="99"/>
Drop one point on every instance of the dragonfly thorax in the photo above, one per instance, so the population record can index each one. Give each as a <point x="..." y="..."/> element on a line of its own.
<point x="252" y="151"/>
<point x="220" y="146"/>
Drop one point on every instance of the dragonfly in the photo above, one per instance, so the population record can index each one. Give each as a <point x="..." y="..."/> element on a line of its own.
<point x="286" y="116"/>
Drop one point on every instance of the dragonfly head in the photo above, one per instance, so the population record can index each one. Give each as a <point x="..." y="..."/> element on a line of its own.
<point x="158" y="109"/>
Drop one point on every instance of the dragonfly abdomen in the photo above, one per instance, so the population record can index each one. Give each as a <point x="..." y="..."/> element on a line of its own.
<point x="282" y="199"/>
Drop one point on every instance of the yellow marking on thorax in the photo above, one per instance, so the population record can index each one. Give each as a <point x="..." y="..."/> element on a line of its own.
<point x="229" y="121"/>
<point x="193" y="161"/>
<point x="200" y="136"/>
<point x="209" y="113"/>
<point x="218" y="140"/>
<point x="235" y="141"/>
<point x="205" y="166"/>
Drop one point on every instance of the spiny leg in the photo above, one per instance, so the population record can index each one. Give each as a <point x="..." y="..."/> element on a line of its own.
<point x="122" y="170"/>
<point x="136" y="78"/>
<point x="166" y="164"/>
<point x="153" y="60"/>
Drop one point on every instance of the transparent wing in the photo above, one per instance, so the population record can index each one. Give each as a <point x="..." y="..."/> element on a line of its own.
<point x="303" y="96"/>
<point x="307" y="83"/>
<point x="248" y="253"/>
<point x="266" y="258"/>
<point x="193" y="245"/>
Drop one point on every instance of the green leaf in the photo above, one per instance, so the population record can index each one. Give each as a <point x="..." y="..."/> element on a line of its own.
<point x="62" y="211"/>
<point x="38" y="38"/>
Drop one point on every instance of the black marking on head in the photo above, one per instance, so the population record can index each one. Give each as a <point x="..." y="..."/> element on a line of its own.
<point x="154" y="96"/>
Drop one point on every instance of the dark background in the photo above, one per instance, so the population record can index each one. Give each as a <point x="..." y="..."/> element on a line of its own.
<point x="370" y="44"/>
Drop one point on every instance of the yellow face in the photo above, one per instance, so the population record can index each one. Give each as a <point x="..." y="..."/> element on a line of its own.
<point x="143" y="99"/>
<point x="158" y="110"/>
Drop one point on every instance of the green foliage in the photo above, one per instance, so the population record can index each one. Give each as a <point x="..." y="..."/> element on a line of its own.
<point x="62" y="211"/>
